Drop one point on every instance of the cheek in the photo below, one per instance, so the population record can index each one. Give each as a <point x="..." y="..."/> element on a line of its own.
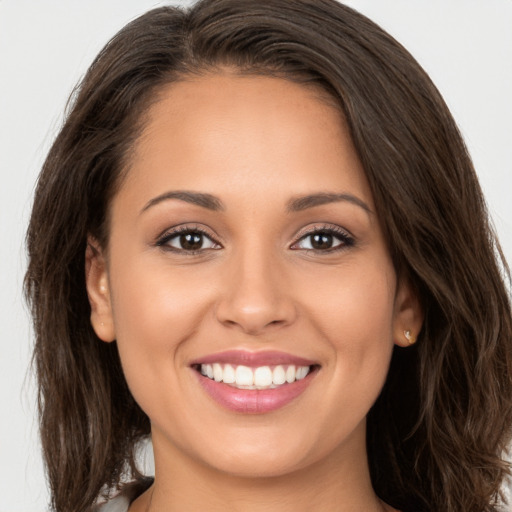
<point x="156" y="309"/>
<point x="354" y="312"/>
<point x="354" y="304"/>
<point x="156" y="300"/>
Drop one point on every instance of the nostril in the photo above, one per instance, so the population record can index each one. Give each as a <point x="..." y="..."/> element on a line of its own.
<point x="254" y="310"/>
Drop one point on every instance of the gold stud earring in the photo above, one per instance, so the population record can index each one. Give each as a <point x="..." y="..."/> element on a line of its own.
<point x="409" y="337"/>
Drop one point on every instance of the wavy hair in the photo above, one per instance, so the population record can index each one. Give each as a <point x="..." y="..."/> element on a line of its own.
<point x="438" y="431"/>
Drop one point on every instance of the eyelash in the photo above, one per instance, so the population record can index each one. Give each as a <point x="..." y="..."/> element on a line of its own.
<point x="343" y="236"/>
<point x="346" y="240"/>
<point x="164" y="240"/>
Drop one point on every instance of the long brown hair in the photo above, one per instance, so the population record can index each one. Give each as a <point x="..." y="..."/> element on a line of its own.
<point x="437" y="432"/>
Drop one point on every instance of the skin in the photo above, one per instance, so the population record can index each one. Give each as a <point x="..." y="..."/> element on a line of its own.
<point x="255" y="143"/>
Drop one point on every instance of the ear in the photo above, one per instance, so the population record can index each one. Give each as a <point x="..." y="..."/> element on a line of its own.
<point x="98" y="291"/>
<point x="408" y="314"/>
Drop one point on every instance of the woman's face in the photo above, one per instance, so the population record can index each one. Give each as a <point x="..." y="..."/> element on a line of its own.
<point x="245" y="246"/>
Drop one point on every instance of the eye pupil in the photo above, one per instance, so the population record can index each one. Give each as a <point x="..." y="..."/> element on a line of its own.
<point x="321" y="241"/>
<point x="191" y="241"/>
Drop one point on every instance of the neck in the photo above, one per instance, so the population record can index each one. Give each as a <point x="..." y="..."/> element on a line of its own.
<point x="339" y="482"/>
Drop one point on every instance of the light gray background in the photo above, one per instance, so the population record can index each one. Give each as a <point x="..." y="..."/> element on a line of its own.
<point x="45" y="47"/>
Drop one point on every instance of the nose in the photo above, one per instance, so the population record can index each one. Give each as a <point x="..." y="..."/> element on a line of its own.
<point x="256" y="297"/>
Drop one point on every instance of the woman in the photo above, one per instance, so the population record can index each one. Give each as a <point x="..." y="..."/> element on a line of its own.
<point x="290" y="280"/>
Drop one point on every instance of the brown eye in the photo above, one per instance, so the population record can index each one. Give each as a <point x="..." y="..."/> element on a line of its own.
<point x="187" y="241"/>
<point x="321" y="241"/>
<point x="324" y="240"/>
<point x="191" y="241"/>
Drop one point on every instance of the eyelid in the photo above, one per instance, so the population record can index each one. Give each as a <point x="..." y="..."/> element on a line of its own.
<point x="170" y="233"/>
<point x="341" y="233"/>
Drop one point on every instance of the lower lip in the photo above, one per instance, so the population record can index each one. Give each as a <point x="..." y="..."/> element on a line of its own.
<point x="254" y="401"/>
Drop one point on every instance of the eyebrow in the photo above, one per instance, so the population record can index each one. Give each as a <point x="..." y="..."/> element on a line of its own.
<point x="300" y="203"/>
<point x="199" y="199"/>
<point x="296" y="204"/>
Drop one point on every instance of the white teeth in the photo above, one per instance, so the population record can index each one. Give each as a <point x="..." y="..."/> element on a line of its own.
<point x="217" y="372"/>
<point x="262" y="377"/>
<point x="244" y="376"/>
<point x="278" y="376"/>
<point x="229" y="374"/>
<point x="301" y="372"/>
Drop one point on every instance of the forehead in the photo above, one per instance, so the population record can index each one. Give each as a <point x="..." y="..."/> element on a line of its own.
<point x="218" y="132"/>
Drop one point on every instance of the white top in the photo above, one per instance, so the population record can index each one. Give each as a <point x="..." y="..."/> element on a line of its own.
<point x="118" y="504"/>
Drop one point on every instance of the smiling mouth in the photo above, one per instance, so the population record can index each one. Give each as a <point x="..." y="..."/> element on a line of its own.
<point x="257" y="378"/>
<point x="244" y="382"/>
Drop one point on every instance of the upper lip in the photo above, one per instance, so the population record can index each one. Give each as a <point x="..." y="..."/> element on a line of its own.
<point x="253" y="359"/>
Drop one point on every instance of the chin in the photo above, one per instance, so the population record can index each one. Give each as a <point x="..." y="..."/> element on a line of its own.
<point x="265" y="465"/>
<point x="266" y="454"/>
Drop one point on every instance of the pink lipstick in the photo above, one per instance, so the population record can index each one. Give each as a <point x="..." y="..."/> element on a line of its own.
<point x="254" y="382"/>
